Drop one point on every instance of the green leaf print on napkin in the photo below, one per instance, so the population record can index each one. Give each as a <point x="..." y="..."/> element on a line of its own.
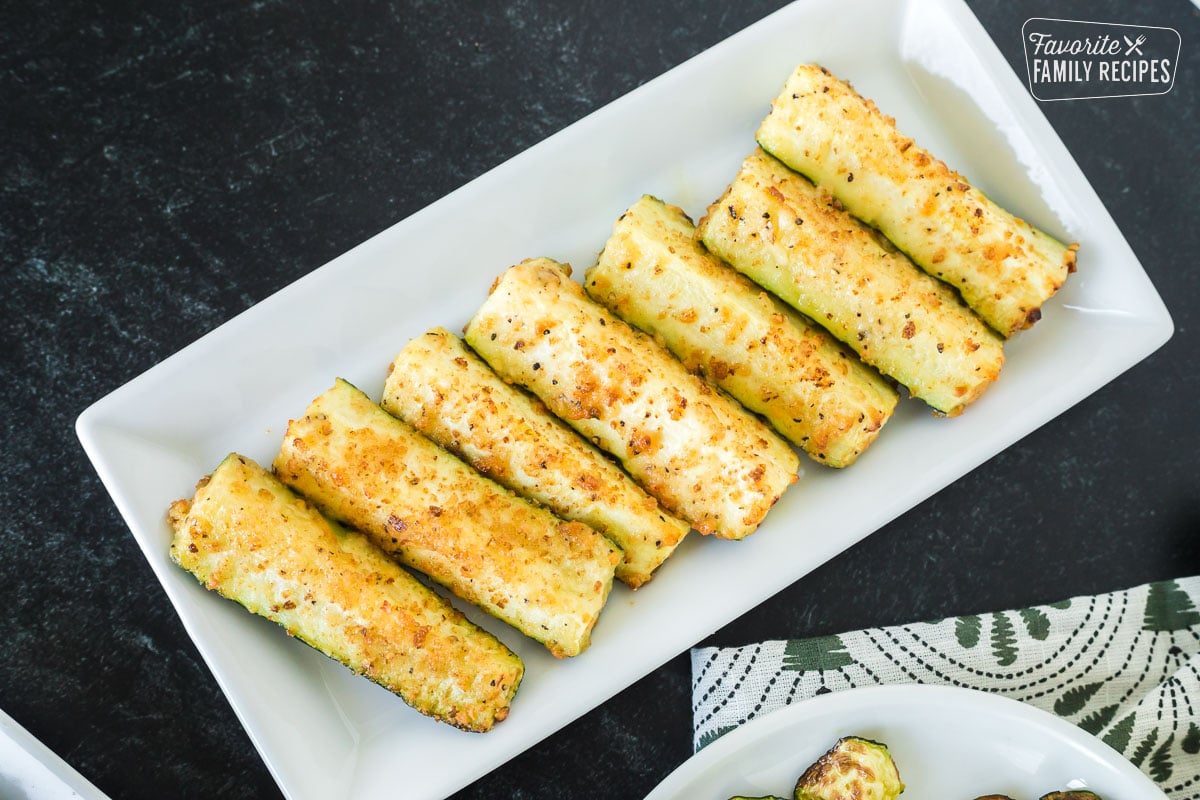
<point x="1036" y="622"/>
<point x="1160" y="762"/>
<point x="1118" y="737"/>
<point x="1144" y="748"/>
<point x="1168" y="608"/>
<point x="821" y="652"/>
<point x="1074" y="699"/>
<point x="710" y="736"/>
<point x="1094" y="723"/>
<point x="1191" y="742"/>
<point x="969" y="629"/>
<point x="1004" y="640"/>
<point x="966" y="630"/>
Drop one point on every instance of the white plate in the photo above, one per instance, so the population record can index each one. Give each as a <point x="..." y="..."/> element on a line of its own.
<point x="325" y="733"/>
<point x="30" y="769"/>
<point x="947" y="742"/>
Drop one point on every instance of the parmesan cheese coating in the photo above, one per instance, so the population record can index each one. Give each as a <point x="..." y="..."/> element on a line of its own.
<point x="1004" y="267"/>
<point x="546" y="577"/>
<point x="703" y="456"/>
<point x="794" y="240"/>
<point x="247" y="537"/>
<point x="444" y="390"/>
<point x="655" y="275"/>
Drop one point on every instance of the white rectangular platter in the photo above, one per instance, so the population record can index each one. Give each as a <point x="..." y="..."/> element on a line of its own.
<point x="30" y="769"/>
<point x="325" y="733"/>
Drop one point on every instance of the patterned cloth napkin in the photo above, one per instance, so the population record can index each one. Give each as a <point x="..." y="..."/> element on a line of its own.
<point x="1123" y="666"/>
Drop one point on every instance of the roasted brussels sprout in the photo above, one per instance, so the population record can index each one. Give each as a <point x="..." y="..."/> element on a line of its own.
<point x="853" y="769"/>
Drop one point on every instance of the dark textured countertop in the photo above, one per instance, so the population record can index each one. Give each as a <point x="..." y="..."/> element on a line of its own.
<point x="167" y="165"/>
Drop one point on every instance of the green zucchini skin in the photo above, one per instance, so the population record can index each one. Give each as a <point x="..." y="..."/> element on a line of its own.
<point x="853" y="769"/>
<point x="548" y="578"/>
<point x="1004" y="267"/>
<point x="656" y="275"/>
<point x="443" y="389"/>
<point x="699" y="453"/>
<point x="246" y="536"/>
<point x="791" y="238"/>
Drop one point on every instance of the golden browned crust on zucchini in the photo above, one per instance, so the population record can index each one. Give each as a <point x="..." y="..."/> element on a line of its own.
<point x="655" y="275"/>
<point x="443" y="389"/>
<point x="546" y="577"/>
<point x="704" y="457"/>
<point x="793" y="239"/>
<point x="247" y="537"/>
<point x="1004" y="267"/>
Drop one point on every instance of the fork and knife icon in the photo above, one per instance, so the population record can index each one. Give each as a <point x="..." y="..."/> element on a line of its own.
<point x="1132" y="46"/>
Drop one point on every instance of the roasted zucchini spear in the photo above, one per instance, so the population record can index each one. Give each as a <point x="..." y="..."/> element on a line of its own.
<point x="789" y="237"/>
<point x="655" y="275"/>
<point x="546" y="577"/>
<point x="1004" y="267"/>
<point x="441" y="388"/>
<point x="246" y="536"/>
<point x="853" y="769"/>
<point x="698" y="452"/>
